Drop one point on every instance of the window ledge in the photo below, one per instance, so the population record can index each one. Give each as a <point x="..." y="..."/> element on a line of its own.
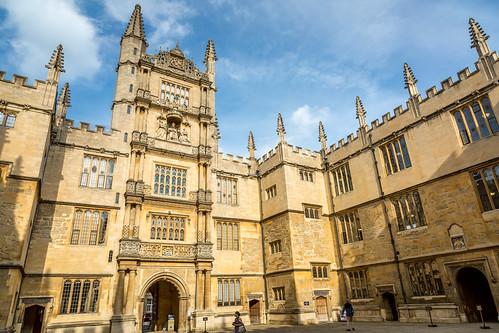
<point x="398" y="172"/>
<point x="491" y="215"/>
<point x="361" y="300"/>
<point x="429" y="298"/>
<point x="413" y="231"/>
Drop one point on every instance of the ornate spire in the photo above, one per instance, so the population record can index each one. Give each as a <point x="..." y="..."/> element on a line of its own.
<point x="281" y="131"/>
<point x="135" y="26"/>
<point x="478" y="38"/>
<point x="63" y="103"/>
<point x="322" y="136"/>
<point x="361" y="112"/>
<point x="251" y="145"/>
<point x="217" y="129"/>
<point x="57" y="60"/>
<point x="210" y="53"/>
<point x="210" y="57"/>
<point x="65" y="96"/>
<point x="410" y="81"/>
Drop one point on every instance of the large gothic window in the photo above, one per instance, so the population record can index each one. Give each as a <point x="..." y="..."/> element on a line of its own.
<point x="396" y="155"/>
<point x="170" y="181"/>
<point x="167" y="227"/>
<point x="174" y="93"/>
<point x="227" y="190"/>
<point x="351" y="229"/>
<point x="476" y="121"/>
<point x="425" y="279"/>
<point x="487" y="184"/>
<point x="228" y="236"/>
<point x="79" y="296"/>
<point x="342" y="179"/>
<point x="359" y="284"/>
<point x="229" y="292"/>
<point x="409" y="211"/>
<point x="89" y="227"/>
<point x="97" y="172"/>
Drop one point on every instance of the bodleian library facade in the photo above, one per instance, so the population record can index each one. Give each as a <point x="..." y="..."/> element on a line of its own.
<point x="148" y="227"/>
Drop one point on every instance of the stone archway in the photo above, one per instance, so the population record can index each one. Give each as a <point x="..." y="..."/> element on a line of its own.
<point x="162" y="295"/>
<point x="474" y="291"/>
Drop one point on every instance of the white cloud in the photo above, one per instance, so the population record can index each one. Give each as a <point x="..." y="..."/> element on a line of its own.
<point x="304" y="125"/>
<point x="166" y="17"/>
<point x="38" y="26"/>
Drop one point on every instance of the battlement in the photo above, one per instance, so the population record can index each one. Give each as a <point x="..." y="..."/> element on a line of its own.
<point x="267" y="155"/>
<point x="450" y="90"/>
<point x="87" y="127"/>
<point x="22" y="81"/>
<point x="232" y="158"/>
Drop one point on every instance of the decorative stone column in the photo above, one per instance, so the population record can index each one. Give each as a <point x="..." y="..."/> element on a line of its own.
<point x="130" y="296"/>
<point x="131" y="171"/>
<point x="118" y="302"/>
<point x="207" y="290"/>
<point x="199" y="289"/>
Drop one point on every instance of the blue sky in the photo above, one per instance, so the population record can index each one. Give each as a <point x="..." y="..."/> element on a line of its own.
<point x="305" y="59"/>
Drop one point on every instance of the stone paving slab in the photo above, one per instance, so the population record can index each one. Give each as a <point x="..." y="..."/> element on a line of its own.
<point x="374" y="328"/>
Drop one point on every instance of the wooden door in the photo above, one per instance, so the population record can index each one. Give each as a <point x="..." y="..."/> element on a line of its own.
<point x="254" y="311"/>
<point x="321" y="308"/>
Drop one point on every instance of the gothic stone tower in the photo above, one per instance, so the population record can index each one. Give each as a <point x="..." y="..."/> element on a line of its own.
<point x="166" y="105"/>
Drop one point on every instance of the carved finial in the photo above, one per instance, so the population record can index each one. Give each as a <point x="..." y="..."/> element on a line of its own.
<point x="217" y="129"/>
<point x="63" y="103"/>
<point x="251" y="145"/>
<point x="65" y="96"/>
<point x="135" y="26"/>
<point x="322" y="136"/>
<point x="361" y="112"/>
<point x="478" y="38"/>
<point x="281" y="131"/>
<point x="410" y="81"/>
<point x="210" y="57"/>
<point x="57" y="60"/>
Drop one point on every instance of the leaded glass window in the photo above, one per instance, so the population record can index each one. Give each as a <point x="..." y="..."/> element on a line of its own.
<point x="170" y="181"/>
<point x="89" y="227"/>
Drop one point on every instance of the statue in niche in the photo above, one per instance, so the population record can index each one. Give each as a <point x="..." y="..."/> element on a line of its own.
<point x="162" y="128"/>
<point x="172" y="133"/>
<point x="183" y="137"/>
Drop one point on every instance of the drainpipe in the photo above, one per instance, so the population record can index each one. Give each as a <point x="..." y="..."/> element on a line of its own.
<point x="266" y="296"/>
<point x="387" y="220"/>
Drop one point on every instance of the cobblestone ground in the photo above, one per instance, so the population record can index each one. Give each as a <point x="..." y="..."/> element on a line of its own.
<point x="375" y="328"/>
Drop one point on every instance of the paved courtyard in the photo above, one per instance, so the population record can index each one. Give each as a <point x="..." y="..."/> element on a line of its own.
<point x="375" y="328"/>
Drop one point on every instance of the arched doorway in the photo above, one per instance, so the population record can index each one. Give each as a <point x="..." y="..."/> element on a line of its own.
<point x="33" y="319"/>
<point x="161" y="303"/>
<point x="390" y="307"/>
<point x="254" y="311"/>
<point x="474" y="290"/>
<point x="163" y="294"/>
<point x="321" y="308"/>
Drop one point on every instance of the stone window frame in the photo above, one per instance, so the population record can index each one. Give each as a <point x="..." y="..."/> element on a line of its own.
<point x="229" y="291"/>
<point x="7" y="119"/>
<point x="409" y="211"/>
<point x="425" y="278"/>
<point x="271" y="192"/>
<point x="320" y="271"/>
<point x="87" y="298"/>
<point x="228" y="191"/>
<point x="171" y="228"/>
<point x="358" y="282"/>
<point x="231" y="231"/>
<point x="476" y="120"/>
<point x="179" y="93"/>
<point x="279" y="293"/>
<point x="482" y="185"/>
<point x="88" y="232"/>
<point x="351" y="228"/>
<point x="342" y="179"/>
<point x="312" y="212"/>
<point x="306" y="175"/>
<point x="275" y="246"/>
<point x="87" y="172"/>
<point x="156" y="190"/>
<point x="395" y="155"/>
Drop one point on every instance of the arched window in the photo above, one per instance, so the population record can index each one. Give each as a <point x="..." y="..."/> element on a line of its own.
<point x="103" y="227"/>
<point x="94" y="228"/>
<point x="227" y="236"/>
<point x="95" y="296"/>
<point x="84" y="296"/>
<point x="85" y="228"/>
<point x="75" y="235"/>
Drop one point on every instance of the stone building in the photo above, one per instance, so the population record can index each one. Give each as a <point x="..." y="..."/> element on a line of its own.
<point x="121" y="230"/>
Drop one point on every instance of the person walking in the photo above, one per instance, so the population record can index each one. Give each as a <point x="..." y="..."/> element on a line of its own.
<point x="238" y="324"/>
<point x="348" y="312"/>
